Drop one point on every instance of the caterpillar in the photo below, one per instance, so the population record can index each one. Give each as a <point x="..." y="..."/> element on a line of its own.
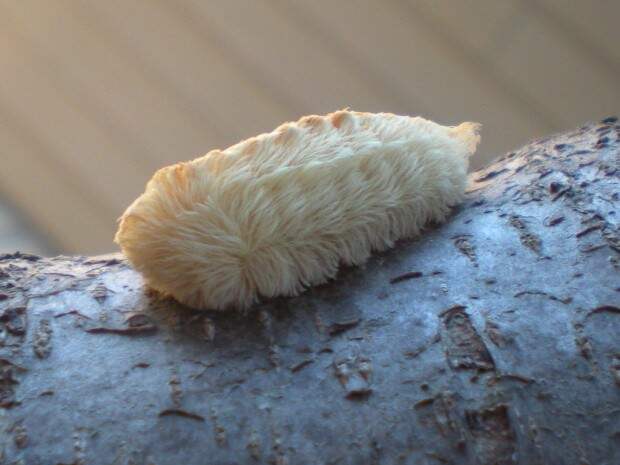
<point x="279" y="212"/>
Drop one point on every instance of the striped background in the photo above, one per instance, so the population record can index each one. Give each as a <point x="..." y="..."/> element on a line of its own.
<point x="96" y="95"/>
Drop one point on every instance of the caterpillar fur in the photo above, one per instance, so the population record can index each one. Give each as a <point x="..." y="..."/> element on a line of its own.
<point x="277" y="213"/>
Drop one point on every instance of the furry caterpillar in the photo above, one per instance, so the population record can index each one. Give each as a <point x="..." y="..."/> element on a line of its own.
<point x="279" y="212"/>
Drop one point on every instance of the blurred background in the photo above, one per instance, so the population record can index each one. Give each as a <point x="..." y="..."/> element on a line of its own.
<point x="96" y="95"/>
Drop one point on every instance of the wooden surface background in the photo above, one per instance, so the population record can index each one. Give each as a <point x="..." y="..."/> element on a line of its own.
<point x="95" y="96"/>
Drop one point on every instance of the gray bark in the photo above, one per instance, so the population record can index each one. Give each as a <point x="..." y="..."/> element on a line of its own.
<point x="492" y="339"/>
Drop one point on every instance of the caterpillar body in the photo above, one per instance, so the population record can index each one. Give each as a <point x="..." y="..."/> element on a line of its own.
<point x="279" y="212"/>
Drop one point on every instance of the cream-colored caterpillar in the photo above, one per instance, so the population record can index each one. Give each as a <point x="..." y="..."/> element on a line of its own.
<point x="279" y="212"/>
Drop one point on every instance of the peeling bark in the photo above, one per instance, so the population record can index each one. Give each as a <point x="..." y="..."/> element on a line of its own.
<point x="493" y="339"/>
